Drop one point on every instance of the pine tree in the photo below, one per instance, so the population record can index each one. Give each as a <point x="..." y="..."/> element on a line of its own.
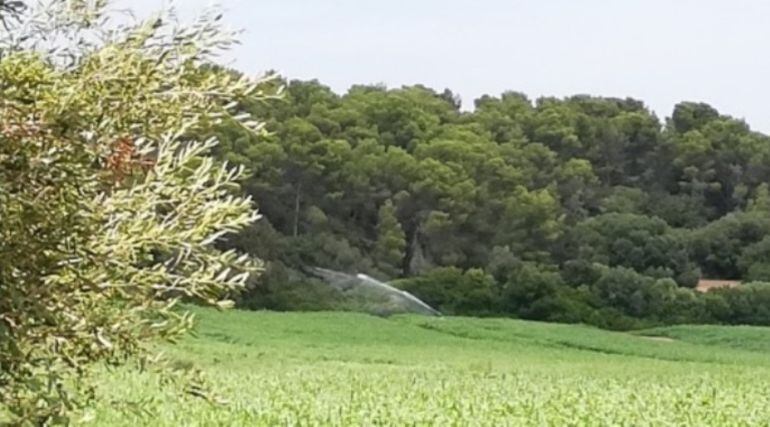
<point x="391" y="241"/>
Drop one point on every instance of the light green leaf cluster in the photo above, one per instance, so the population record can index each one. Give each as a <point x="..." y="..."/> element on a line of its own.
<point x="110" y="209"/>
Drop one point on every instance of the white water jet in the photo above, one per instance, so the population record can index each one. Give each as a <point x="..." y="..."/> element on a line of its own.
<point x="389" y="298"/>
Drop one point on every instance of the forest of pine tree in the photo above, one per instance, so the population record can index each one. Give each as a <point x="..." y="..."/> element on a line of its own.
<point x="582" y="209"/>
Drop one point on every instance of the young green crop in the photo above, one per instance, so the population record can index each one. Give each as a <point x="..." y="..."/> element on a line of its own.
<point x="350" y="369"/>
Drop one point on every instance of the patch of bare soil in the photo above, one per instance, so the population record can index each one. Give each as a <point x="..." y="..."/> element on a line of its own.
<point x="705" y="285"/>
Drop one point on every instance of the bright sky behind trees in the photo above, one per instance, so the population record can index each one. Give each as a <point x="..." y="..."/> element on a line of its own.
<point x="659" y="51"/>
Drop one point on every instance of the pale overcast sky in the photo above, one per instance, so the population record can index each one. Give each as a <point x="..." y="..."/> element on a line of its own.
<point x="659" y="51"/>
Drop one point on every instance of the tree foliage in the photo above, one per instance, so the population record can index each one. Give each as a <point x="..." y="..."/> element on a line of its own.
<point x="109" y="209"/>
<point x="577" y="209"/>
<point x="544" y="195"/>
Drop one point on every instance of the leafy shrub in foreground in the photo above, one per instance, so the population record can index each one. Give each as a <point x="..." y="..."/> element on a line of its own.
<point x="109" y="211"/>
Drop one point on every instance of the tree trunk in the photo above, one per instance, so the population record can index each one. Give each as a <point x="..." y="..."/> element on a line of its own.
<point x="295" y="230"/>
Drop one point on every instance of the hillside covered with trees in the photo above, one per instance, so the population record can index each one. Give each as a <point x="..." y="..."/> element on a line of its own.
<point x="582" y="209"/>
<point x="131" y="164"/>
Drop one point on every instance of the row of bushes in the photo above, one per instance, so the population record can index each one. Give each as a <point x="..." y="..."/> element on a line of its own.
<point x="607" y="297"/>
<point x="614" y="297"/>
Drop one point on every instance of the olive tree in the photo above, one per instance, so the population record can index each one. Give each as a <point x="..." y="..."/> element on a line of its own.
<point x="110" y="209"/>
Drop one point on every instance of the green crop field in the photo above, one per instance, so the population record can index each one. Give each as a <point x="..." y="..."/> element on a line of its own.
<point x="351" y="369"/>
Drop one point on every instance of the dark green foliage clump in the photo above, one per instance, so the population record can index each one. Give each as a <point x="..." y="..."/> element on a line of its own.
<point x="581" y="209"/>
<point x="453" y="291"/>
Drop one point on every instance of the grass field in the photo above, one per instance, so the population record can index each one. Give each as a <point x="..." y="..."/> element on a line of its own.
<point x="351" y="369"/>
